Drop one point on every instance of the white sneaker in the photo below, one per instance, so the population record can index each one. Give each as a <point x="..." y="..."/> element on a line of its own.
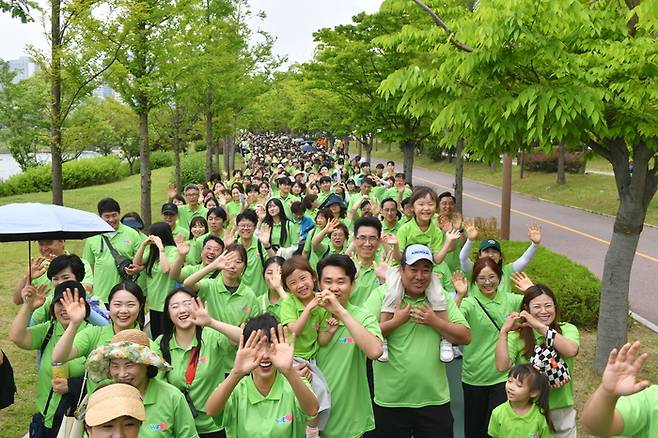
<point x="446" y="353"/>
<point x="384" y="356"/>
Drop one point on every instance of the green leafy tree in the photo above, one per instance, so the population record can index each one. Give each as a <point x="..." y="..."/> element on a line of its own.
<point x="19" y="9"/>
<point x="525" y="73"/>
<point x="23" y="116"/>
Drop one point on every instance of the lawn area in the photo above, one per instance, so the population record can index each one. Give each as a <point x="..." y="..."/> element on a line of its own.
<point x="14" y="420"/>
<point x="591" y="192"/>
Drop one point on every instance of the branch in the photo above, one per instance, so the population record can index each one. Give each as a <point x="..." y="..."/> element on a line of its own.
<point x="451" y="35"/>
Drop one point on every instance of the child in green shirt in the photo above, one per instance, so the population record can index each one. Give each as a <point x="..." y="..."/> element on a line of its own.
<point x="526" y="412"/>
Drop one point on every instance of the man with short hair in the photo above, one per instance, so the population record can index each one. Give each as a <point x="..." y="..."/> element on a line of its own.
<point x="257" y="252"/>
<point x="399" y="191"/>
<point x="390" y="168"/>
<point x="367" y="234"/>
<point x="412" y="397"/>
<point x="356" y="336"/>
<point x="212" y="247"/>
<point x="124" y="240"/>
<point x="170" y="217"/>
<point x="192" y="208"/>
<point x="325" y="189"/>
<point x="286" y="198"/>
<point x="364" y="193"/>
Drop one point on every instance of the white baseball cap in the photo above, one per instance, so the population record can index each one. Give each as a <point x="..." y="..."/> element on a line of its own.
<point x="414" y="253"/>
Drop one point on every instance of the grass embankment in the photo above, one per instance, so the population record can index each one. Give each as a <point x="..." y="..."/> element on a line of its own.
<point x="593" y="192"/>
<point x="14" y="420"/>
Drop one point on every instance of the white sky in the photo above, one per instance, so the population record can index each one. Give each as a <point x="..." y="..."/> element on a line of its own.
<point x="292" y="22"/>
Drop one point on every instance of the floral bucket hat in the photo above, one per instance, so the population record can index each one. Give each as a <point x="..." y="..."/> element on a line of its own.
<point x="131" y="345"/>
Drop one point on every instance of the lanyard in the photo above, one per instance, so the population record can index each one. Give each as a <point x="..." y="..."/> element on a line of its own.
<point x="191" y="366"/>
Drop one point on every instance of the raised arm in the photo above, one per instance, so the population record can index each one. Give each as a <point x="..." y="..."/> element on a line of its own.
<point x="201" y="317"/>
<point x="534" y="234"/>
<point x="33" y="298"/>
<point x="75" y="308"/>
<point x="471" y="234"/>
<point x="177" y="266"/>
<point x="451" y="236"/>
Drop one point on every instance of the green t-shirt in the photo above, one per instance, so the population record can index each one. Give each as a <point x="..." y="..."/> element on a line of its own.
<point x="292" y="236"/>
<point x="209" y="373"/>
<point x="410" y="234"/>
<point x="343" y="365"/>
<point x="253" y="273"/>
<point x="561" y="397"/>
<point x="188" y="270"/>
<point x="640" y="413"/>
<point x="233" y="209"/>
<point x="505" y="423"/>
<point x="306" y="344"/>
<point x="185" y="215"/>
<point x="180" y="231"/>
<point x="125" y="241"/>
<point x="167" y="413"/>
<point x="505" y="285"/>
<point x="414" y="377"/>
<point x="158" y="283"/>
<point x="391" y="230"/>
<point x="373" y="303"/>
<point x="265" y="305"/>
<point x="364" y="283"/>
<point x="479" y="363"/>
<point x="287" y="202"/>
<point x="231" y="308"/>
<point x="392" y="192"/>
<point x="44" y="378"/>
<point x="196" y="246"/>
<point x="452" y="258"/>
<point x="248" y="413"/>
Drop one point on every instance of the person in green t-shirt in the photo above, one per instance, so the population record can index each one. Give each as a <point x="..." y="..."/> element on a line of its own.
<point x="56" y="392"/>
<point x="338" y="234"/>
<point x="271" y="301"/>
<point x="125" y="242"/>
<point x="281" y="232"/>
<point x="370" y="273"/>
<point x="129" y="359"/>
<point x="169" y="213"/>
<point x="216" y="220"/>
<point x="106" y="418"/>
<point x="447" y="219"/>
<point x="412" y="396"/>
<point x="308" y="321"/>
<point x="212" y="248"/>
<point x="192" y="340"/>
<point x="156" y="255"/>
<point x="483" y="385"/>
<point x="539" y="311"/>
<point x="192" y="208"/>
<point x="525" y="413"/>
<point x="263" y="396"/>
<point x="622" y="404"/>
<point x="356" y="336"/>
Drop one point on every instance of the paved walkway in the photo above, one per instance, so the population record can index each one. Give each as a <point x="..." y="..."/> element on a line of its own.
<point x="582" y="236"/>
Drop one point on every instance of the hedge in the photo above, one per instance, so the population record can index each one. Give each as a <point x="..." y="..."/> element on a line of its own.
<point x="192" y="168"/>
<point x="78" y="173"/>
<point x="540" y="162"/>
<point x="161" y="159"/>
<point x="578" y="291"/>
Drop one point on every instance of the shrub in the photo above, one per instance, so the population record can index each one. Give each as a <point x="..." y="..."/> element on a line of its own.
<point x="161" y="159"/>
<point x="540" y="162"/>
<point x="435" y="152"/>
<point x="78" y="173"/>
<point x="192" y="168"/>
<point x="199" y="145"/>
<point x="578" y="291"/>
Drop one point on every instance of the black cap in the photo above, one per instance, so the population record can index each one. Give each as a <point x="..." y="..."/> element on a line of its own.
<point x="169" y="208"/>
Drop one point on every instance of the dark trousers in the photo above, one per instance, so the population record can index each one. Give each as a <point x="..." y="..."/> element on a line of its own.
<point x="479" y="402"/>
<point x="426" y="422"/>
<point x="371" y="388"/>
<point x="218" y="434"/>
<point x="156" y="323"/>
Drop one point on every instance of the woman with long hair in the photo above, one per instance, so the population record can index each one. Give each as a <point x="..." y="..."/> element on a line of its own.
<point x="282" y="233"/>
<point x="536" y="324"/>
<point x="157" y="260"/>
<point x="192" y="340"/>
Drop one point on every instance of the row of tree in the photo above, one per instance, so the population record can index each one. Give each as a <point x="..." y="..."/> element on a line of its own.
<point x="493" y="77"/>
<point x="187" y="62"/>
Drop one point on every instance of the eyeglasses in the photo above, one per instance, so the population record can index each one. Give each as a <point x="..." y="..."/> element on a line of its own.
<point x="487" y="280"/>
<point x="246" y="226"/>
<point x="369" y="239"/>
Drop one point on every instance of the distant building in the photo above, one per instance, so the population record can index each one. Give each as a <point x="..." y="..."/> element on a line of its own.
<point x="105" y="91"/>
<point x="23" y="68"/>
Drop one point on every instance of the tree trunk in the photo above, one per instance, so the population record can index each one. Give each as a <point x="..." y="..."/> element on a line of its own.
<point x="176" y="147"/>
<point x="389" y="147"/>
<point x="145" y="166"/>
<point x="635" y="191"/>
<point x="209" y="133"/>
<point x="409" y="152"/>
<point x="459" y="176"/>
<point x="227" y="158"/>
<point x="56" y="104"/>
<point x="561" y="177"/>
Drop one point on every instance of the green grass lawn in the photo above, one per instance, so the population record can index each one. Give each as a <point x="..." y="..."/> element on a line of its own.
<point x="14" y="420"/>
<point x="591" y="192"/>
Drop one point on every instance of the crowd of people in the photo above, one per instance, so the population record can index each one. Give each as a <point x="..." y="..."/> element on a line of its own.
<point x="308" y="294"/>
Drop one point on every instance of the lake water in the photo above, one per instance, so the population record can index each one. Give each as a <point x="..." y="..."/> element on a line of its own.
<point x="9" y="166"/>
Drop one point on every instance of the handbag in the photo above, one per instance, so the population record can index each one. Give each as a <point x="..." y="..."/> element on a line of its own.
<point x="120" y="262"/>
<point x="547" y="361"/>
<point x="73" y="425"/>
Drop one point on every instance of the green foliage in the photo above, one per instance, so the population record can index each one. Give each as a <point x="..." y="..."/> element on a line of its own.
<point x="542" y="162"/>
<point x="162" y="159"/>
<point x="19" y="8"/>
<point x="578" y="291"/>
<point x="192" y="168"/>
<point x="78" y="173"/>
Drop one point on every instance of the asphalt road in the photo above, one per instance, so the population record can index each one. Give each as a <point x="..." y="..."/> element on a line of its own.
<point x="582" y="236"/>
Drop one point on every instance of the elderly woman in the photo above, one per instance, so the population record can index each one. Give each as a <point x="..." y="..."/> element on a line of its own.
<point x="128" y="359"/>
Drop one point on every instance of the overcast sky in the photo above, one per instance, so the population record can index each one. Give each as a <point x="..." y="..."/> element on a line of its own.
<point x="292" y="22"/>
